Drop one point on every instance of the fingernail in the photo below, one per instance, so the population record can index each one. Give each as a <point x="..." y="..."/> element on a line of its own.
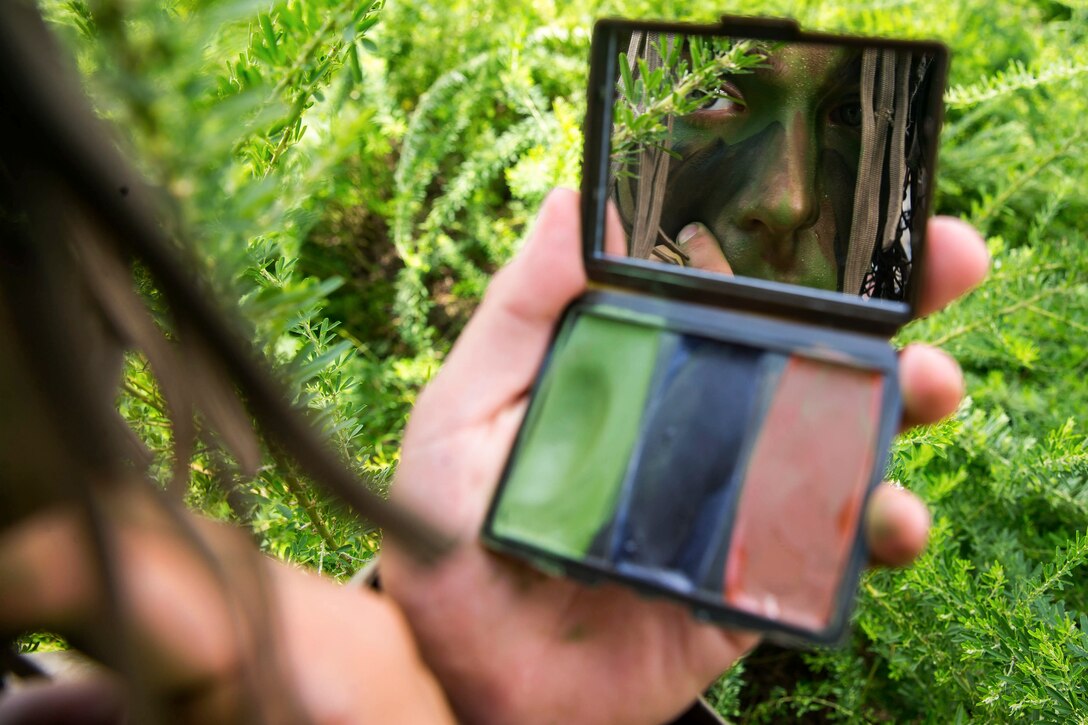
<point x="687" y="233"/>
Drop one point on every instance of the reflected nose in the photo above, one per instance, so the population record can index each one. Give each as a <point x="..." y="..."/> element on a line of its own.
<point x="781" y="198"/>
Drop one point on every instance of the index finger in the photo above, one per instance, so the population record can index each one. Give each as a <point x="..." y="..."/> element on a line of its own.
<point x="956" y="262"/>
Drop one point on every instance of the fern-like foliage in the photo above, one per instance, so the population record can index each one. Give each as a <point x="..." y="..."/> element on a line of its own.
<point x="475" y="123"/>
<point x="220" y="101"/>
<point x="1016" y="77"/>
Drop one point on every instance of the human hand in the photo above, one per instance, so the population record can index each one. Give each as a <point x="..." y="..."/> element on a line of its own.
<point x="214" y="631"/>
<point x="512" y="645"/>
<point x="703" y="250"/>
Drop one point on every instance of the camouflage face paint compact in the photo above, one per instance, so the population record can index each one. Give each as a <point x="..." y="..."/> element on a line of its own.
<point x="714" y="413"/>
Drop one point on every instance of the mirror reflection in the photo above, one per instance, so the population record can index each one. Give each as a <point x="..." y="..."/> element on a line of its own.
<point x="794" y="162"/>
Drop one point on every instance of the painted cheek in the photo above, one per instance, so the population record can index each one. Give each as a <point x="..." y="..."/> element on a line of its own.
<point x="687" y="140"/>
<point x="825" y="230"/>
<point x="816" y="269"/>
<point x="846" y="143"/>
<point x="827" y="220"/>
<point x="704" y="185"/>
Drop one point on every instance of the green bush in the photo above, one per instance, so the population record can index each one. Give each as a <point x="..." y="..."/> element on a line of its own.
<point x="354" y="173"/>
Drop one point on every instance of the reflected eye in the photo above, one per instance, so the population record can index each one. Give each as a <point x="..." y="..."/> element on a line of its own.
<point x="725" y="101"/>
<point x="848" y="113"/>
<point x="721" y="103"/>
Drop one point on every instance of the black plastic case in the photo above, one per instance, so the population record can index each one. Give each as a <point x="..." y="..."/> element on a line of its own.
<point x="763" y="315"/>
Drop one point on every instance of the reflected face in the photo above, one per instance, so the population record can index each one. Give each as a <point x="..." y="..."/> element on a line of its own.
<point x="772" y="173"/>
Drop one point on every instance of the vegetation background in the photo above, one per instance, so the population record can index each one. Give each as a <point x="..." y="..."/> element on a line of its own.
<point x="353" y="171"/>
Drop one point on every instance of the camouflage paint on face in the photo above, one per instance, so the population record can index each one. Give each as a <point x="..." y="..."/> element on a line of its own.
<point x="772" y="176"/>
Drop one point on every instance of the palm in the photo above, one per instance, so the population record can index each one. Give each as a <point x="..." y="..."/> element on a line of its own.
<point x="508" y="641"/>
<point x="513" y="645"/>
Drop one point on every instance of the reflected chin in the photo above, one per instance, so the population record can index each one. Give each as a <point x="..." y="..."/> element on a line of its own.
<point x="804" y="265"/>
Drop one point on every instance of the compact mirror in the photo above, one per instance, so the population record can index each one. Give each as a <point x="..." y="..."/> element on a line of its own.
<point x="713" y="414"/>
<point x="803" y="163"/>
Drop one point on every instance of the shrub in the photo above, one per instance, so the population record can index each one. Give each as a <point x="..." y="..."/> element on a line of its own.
<point x="353" y="174"/>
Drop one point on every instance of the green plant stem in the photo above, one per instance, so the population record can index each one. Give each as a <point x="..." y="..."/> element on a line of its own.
<point x="298" y="491"/>
<point x="144" y="397"/>
<point x="1058" y="318"/>
<point x="1003" y="312"/>
<point x="999" y="202"/>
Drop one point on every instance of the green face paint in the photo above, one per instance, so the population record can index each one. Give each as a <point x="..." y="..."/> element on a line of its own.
<point x="567" y="472"/>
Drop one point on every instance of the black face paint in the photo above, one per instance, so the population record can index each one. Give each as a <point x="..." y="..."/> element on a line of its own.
<point x="657" y="530"/>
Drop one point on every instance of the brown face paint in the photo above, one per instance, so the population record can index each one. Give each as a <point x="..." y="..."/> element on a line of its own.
<point x="803" y="489"/>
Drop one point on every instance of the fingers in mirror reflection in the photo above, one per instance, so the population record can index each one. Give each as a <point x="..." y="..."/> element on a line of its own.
<point x="799" y="160"/>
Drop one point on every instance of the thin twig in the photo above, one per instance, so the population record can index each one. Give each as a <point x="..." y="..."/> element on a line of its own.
<point x="964" y="329"/>
<point x="143" y="397"/>
<point x="999" y="201"/>
<point x="1064" y="320"/>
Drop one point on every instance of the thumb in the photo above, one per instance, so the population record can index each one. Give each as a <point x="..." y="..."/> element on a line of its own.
<point x="496" y="358"/>
<point x="703" y="249"/>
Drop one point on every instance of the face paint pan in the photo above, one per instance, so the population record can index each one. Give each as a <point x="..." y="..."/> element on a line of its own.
<point x="711" y="434"/>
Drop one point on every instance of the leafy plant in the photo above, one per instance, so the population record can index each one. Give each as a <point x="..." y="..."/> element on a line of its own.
<point x="679" y="85"/>
<point x="220" y="102"/>
<point x="353" y="173"/>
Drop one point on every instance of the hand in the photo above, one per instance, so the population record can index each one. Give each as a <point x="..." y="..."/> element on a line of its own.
<point x="703" y="249"/>
<point x="509" y="644"/>
<point x="242" y="638"/>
